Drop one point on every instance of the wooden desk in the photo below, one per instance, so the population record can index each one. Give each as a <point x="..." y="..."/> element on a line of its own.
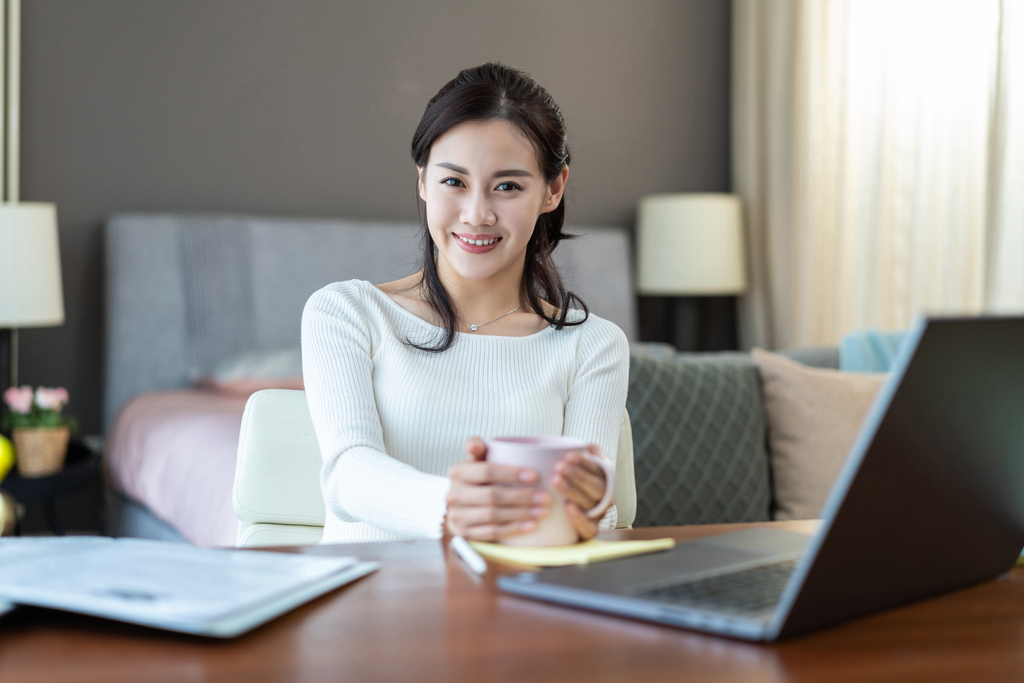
<point x="422" y="617"/>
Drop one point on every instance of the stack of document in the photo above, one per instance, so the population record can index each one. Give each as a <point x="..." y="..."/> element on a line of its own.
<point x="172" y="586"/>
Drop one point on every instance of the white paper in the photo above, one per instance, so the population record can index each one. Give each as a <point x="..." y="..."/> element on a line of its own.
<point x="17" y="548"/>
<point x="173" y="585"/>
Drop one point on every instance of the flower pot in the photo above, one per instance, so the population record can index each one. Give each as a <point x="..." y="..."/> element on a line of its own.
<point x="40" y="450"/>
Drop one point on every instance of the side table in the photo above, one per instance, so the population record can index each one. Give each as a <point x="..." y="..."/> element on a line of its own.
<point x="82" y="469"/>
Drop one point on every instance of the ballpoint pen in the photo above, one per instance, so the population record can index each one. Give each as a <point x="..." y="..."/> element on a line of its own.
<point x="469" y="556"/>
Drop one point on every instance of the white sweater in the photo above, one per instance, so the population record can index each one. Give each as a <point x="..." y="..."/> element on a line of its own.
<point x="392" y="419"/>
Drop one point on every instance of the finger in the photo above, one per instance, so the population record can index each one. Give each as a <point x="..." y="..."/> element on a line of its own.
<point x="584" y="462"/>
<point x="483" y="515"/>
<point x="591" y="484"/>
<point x="476" y="448"/>
<point x="498" y="496"/>
<point x="585" y="527"/>
<point x="491" y="473"/>
<point x="567" y="488"/>
<point x="494" y="532"/>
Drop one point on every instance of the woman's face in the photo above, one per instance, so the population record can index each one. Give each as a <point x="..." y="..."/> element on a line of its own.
<point x="484" y="191"/>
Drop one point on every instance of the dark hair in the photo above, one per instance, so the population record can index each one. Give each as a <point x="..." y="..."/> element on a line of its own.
<point x="485" y="93"/>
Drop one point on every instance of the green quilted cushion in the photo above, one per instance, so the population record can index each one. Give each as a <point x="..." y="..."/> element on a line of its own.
<point x="698" y="439"/>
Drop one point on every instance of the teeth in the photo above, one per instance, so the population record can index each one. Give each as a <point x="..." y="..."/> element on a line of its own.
<point x="478" y="242"/>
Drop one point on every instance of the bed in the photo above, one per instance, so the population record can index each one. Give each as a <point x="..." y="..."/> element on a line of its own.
<point x="190" y="295"/>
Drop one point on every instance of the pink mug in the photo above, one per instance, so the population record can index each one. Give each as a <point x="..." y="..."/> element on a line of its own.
<point x="542" y="453"/>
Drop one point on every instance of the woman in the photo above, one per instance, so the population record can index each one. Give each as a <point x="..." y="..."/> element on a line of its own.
<point x="484" y="341"/>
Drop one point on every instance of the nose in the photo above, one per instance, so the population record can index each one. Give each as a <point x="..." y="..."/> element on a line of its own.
<point x="477" y="211"/>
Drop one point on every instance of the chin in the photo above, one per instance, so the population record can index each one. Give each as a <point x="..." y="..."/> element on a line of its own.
<point x="474" y="274"/>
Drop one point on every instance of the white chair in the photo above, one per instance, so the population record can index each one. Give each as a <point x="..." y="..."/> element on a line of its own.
<point x="277" y="474"/>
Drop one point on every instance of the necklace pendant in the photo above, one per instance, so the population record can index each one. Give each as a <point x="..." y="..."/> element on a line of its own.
<point x="473" y="327"/>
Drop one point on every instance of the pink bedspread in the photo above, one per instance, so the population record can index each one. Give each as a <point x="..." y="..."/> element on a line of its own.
<point x="174" y="452"/>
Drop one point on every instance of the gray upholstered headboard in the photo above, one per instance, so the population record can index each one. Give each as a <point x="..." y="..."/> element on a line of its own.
<point x="186" y="291"/>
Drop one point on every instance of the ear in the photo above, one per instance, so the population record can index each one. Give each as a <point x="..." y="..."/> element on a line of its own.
<point x="556" y="188"/>
<point x="421" y="183"/>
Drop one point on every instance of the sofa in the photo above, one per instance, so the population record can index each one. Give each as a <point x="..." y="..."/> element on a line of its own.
<point x="703" y="452"/>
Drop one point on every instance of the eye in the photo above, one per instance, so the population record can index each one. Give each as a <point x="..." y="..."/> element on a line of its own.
<point x="452" y="182"/>
<point x="507" y="186"/>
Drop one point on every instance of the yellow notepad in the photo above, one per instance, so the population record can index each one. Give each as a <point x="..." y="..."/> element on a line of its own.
<point x="578" y="553"/>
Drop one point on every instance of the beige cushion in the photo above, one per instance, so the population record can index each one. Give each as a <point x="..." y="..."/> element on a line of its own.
<point x="813" y="417"/>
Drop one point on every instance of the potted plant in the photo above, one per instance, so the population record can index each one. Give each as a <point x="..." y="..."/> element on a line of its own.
<point x="39" y="430"/>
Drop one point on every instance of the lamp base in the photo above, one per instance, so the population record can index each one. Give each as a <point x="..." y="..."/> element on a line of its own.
<point x="690" y="323"/>
<point x="5" y="359"/>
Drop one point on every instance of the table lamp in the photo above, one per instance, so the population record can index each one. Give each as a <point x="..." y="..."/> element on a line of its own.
<point x="690" y="267"/>
<point x="31" y="292"/>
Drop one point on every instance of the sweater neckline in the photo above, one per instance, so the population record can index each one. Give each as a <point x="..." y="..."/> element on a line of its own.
<point x="394" y="305"/>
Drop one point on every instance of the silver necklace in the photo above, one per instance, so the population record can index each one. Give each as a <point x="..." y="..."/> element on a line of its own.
<point x="475" y="327"/>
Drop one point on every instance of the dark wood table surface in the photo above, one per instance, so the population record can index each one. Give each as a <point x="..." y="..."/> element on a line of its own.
<point x="424" y="617"/>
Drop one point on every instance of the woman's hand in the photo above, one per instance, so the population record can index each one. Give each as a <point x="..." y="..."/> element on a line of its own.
<point x="488" y="502"/>
<point x="583" y="483"/>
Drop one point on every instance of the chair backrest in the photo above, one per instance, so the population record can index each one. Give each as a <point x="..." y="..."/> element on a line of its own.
<point x="277" y="494"/>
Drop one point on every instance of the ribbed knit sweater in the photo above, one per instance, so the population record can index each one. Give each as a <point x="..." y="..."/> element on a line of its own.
<point x="391" y="419"/>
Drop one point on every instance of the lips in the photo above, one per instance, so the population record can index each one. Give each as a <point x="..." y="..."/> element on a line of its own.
<point x="476" y="244"/>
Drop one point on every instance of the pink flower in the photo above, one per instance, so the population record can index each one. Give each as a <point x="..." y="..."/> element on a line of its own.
<point x="51" y="398"/>
<point x="19" y="399"/>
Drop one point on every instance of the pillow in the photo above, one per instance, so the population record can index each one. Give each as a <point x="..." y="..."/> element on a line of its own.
<point x="814" y="415"/>
<point x="870" y="350"/>
<point x="698" y="439"/>
<point x="252" y="371"/>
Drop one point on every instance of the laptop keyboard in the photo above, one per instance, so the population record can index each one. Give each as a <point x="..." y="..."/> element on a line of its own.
<point x="748" y="591"/>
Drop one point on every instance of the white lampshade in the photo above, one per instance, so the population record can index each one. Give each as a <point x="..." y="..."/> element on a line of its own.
<point x="31" y="292"/>
<point x="690" y="244"/>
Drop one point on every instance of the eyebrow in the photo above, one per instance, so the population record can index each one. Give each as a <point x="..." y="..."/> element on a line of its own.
<point x="509" y="172"/>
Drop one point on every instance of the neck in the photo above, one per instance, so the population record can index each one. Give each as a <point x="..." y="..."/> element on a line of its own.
<point x="478" y="301"/>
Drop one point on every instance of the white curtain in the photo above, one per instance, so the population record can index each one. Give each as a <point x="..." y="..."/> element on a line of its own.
<point x="879" y="148"/>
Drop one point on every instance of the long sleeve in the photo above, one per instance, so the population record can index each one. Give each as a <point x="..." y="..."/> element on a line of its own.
<point x="597" y="394"/>
<point x="360" y="481"/>
<point x="392" y="419"/>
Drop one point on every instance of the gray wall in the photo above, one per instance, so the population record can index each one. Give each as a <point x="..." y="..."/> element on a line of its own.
<point x="297" y="107"/>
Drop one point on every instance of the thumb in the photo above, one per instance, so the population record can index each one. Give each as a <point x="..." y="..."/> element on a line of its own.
<point x="476" y="448"/>
<point x="586" y="528"/>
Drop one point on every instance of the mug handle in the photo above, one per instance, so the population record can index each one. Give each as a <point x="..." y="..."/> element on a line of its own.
<point x="597" y="512"/>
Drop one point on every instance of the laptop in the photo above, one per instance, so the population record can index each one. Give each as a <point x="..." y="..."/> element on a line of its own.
<point x="929" y="499"/>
